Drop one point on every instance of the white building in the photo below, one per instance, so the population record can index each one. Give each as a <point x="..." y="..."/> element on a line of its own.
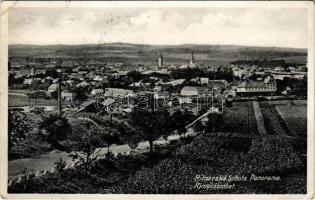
<point x="118" y="92"/>
<point x="95" y="92"/>
<point x="67" y="96"/>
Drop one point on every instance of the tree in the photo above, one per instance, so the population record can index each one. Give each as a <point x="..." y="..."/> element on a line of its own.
<point x="180" y="119"/>
<point x="152" y="123"/>
<point x="55" y="128"/>
<point x="52" y="73"/>
<point x="135" y="75"/>
<point x="215" y="122"/>
<point x="18" y="127"/>
<point x="59" y="167"/>
<point x="80" y="93"/>
<point x="110" y="138"/>
<point x="133" y="140"/>
<point x="85" y="145"/>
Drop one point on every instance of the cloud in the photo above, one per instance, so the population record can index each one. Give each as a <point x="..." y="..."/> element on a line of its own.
<point x="240" y="26"/>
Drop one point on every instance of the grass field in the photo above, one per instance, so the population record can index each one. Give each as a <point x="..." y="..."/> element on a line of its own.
<point x="285" y="117"/>
<point x="295" y="117"/>
<point x="20" y="100"/>
<point x="240" y="118"/>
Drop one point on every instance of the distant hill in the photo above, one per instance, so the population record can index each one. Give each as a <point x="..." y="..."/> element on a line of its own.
<point x="138" y="53"/>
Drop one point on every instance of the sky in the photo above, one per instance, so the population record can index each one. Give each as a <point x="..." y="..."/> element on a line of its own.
<point x="280" y="27"/>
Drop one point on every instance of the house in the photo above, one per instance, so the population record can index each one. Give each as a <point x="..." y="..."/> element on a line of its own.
<point x="175" y="82"/>
<point x="302" y="68"/>
<point x="279" y="69"/>
<point x="229" y="93"/>
<point x="148" y="72"/>
<point x="157" y="88"/>
<point x="48" y="80"/>
<point x="27" y="81"/>
<point x="184" y="66"/>
<point x="37" y="81"/>
<point x="164" y="71"/>
<point x="93" y="106"/>
<point x="184" y="100"/>
<point x="238" y="72"/>
<point x="52" y="88"/>
<point x="204" y="81"/>
<point x="119" y="74"/>
<point x="82" y="73"/>
<point x="70" y="83"/>
<point x="67" y="96"/>
<point x="118" y="92"/>
<point x="82" y="84"/>
<point x="40" y="71"/>
<point x="292" y="69"/>
<point x="91" y="75"/>
<point x="248" y="86"/>
<point x="139" y="84"/>
<point x="288" y="90"/>
<point x="73" y="76"/>
<point x="218" y="84"/>
<point x="293" y="75"/>
<point x="161" y="95"/>
<point x="211" y="68"/>
<point x="98" y="78"/>
<point x="95" y="92"/>
<point x="189" y="91"/>
<point x="141" y="68"/>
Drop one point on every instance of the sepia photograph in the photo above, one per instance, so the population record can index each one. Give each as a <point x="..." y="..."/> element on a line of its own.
<point x="158" y="98"/>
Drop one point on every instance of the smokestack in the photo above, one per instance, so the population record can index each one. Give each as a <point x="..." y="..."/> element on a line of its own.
<point x="59" y="97"/>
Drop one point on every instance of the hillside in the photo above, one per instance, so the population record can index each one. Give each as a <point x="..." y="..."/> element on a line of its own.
<point x="137" y="53"/>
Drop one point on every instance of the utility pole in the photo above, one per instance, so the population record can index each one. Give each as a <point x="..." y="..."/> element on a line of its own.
<point x="32" y="80"/>
<point x="110" y="130"/>
<point x="29" y="95"/>
<point x="247" y="118"/>
<point x="222" y="102"/>
<point x="212" y="99"/>
<point x="34" y="72"/>
<point x="59" y="97"/>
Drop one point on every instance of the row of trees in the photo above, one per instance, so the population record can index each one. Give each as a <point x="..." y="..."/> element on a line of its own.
<point x="189" y="73"/>
<point x="299" y="87"/>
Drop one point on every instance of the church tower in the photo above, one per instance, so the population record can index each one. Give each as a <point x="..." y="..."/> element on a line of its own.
<point x="161" y="61"/>
<point x="192" y="59"/>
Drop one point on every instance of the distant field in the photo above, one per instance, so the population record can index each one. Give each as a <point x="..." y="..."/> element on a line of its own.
<point x="295" y="117"/>
<point x="18" y="100"/>
<point x="180" y="54"/>
<point x="21" y="91"/>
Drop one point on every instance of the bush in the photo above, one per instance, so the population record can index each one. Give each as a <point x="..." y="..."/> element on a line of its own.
<point x="272" y="154"/>
<point x="175" y="172"/>
<point x="214" y="156"/>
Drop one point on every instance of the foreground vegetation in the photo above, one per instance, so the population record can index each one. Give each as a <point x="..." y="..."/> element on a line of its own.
<point x="216" y="151"/>
<point x="174" y="169"/>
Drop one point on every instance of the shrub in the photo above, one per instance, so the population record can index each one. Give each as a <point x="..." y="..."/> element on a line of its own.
<point x="272" y="154"/>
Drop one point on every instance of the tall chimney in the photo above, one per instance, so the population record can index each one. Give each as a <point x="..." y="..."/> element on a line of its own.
<point x="59" y="97"/>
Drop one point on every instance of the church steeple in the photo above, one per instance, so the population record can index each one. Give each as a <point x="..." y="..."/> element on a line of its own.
<point x="192" y="59"/>
<point x="161" y="61"/>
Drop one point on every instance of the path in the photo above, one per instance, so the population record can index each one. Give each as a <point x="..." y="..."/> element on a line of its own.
<point x="259" y="119"/>
<point x="47" y="161"/>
